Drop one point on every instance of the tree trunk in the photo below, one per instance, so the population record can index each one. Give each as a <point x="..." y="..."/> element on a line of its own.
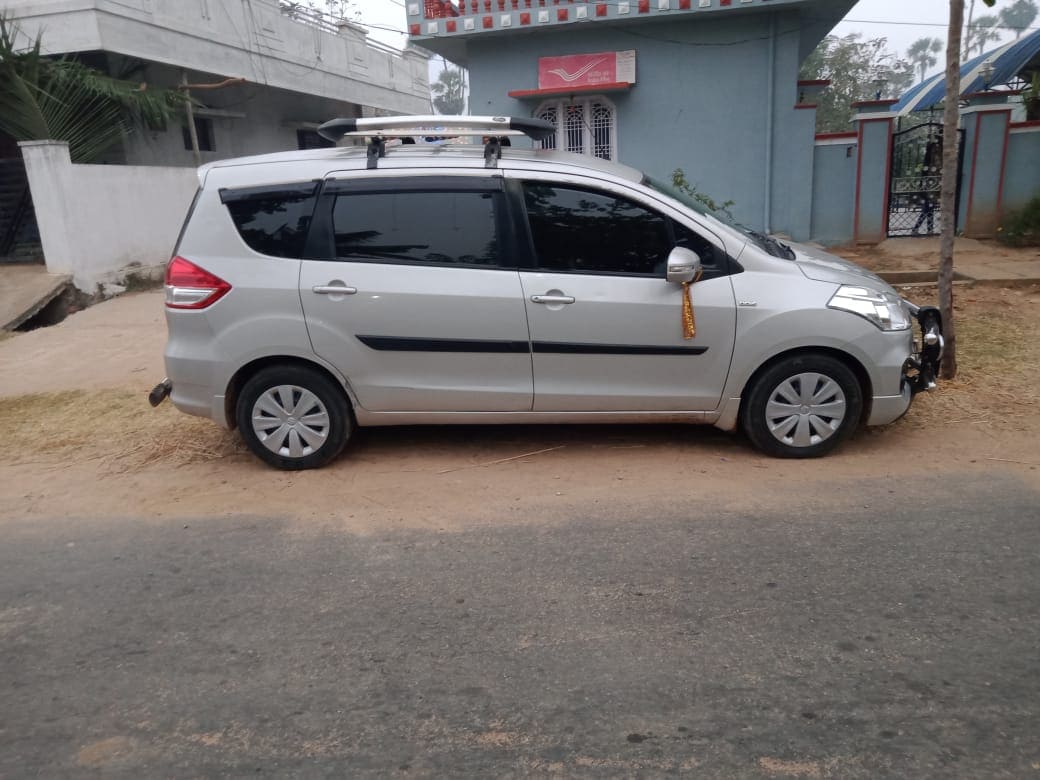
<point x="951" y="142"/>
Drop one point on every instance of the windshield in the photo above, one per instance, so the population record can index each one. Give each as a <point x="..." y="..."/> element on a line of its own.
<point x="766" y="243"/>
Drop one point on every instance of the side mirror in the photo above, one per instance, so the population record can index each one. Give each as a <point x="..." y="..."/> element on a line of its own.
<point x="684" y="265"/>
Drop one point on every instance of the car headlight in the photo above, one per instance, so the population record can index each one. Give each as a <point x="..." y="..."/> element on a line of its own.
<point x="885" y="310"/>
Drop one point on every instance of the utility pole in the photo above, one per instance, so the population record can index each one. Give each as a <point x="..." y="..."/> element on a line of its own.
<point x="189" y="109"/>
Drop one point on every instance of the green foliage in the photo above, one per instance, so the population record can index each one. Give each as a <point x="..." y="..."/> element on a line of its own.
<point x="449" y="92"/>
<point x="681" y="183"/>
<point x="327" y="10"/>
<point x="1031" y="98"/>
<point x="61" y="99"/>
<point x="857" y="69"/>
<point x="1022" y="227"/>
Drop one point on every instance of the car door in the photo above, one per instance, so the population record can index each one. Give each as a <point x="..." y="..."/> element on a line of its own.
<point x="606" y="327"/>
<point x="413" y="294"/>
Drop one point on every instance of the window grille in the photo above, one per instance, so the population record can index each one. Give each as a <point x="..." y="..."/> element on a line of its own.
<point x="574" y="128"/>
<point x="550" y="113"/>
<point x="586" y="126"/>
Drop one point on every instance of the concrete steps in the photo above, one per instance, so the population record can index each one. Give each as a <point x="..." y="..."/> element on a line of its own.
<point x="26" y="290"/>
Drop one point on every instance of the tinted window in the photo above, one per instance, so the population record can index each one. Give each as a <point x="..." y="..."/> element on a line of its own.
<point x="456" y="228"/>
<point x="712" y="259"/>
<point x="273" y="222"/>
<point x="582" y="230"/>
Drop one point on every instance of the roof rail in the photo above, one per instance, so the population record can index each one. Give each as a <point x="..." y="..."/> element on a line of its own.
<point x="492" y="128"/>
<point x="436" y="124"/>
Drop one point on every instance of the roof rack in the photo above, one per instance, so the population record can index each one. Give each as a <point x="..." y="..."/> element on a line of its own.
<point x="376" y="129"/>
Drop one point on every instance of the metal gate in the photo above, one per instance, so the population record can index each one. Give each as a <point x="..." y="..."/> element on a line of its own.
<point x="914" y="204"/>
<point x="19" y="235"/>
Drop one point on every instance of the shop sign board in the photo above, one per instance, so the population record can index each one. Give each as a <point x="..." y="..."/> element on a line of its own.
<point x="587" y="70"/>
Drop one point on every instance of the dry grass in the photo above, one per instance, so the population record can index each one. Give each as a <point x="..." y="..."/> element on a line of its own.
<point x="998" y="386"/>
<point x="114" y="426"/>
<point x="998" y="359"/>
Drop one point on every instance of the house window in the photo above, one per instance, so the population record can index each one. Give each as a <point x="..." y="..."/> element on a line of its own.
<point x="204" y="131"/>
<point x="586" y="126"/>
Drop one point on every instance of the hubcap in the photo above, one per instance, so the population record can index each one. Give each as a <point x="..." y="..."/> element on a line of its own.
<point x="805" y="409"/>
<point x="291" y="421"/>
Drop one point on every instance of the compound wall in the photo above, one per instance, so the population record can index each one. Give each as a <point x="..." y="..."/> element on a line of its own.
<point x="99" y="222"/>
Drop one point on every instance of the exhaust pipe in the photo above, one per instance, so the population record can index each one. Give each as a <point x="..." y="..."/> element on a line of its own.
<point x="160" y="392"/>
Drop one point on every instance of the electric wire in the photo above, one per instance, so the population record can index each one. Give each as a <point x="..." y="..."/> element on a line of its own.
<point x="813" y="19"/>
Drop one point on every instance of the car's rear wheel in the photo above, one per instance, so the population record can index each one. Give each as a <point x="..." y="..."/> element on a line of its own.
<point x="293" y="417"/>
<point x="803" y="406"/>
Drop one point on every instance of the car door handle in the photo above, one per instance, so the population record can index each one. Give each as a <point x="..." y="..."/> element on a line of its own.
<point x="552" y="299"/>
<point x="333" y="289"/>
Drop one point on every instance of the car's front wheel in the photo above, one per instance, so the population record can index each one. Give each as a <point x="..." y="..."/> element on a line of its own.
<point x="802" y="407"/>
<point x="293" y="417"/>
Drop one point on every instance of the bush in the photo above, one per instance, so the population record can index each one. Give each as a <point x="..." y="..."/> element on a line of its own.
<point x="1022" y="227"/>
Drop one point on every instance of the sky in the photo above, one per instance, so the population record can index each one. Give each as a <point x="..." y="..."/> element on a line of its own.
<point x="900" y="21"/>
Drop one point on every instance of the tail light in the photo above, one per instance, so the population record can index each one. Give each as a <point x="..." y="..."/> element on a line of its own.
<point x="191" y="287"/>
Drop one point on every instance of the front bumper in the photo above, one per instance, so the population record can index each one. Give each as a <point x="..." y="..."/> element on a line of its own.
<point x="922" y="368"/>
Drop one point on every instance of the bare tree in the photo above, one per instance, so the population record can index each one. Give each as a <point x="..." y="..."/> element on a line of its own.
<point x="951" y="118"/>
<point x="948" y="196"/>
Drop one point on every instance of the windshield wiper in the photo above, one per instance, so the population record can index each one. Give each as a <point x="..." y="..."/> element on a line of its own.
<point x="788" y="252"/>
<point x="775" y="247"/>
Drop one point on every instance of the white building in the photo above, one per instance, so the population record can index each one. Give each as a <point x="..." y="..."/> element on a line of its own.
<point x="296" y="72"/>
<point x="262" y="82"/>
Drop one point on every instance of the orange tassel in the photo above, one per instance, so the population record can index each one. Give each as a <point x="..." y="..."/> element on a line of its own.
<point x="689" y="323"/>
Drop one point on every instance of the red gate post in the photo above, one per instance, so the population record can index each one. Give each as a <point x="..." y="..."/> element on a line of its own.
<point x="874" y="124"/>
<point x="987" y="123"/>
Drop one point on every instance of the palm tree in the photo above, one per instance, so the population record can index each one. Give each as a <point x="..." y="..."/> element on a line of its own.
<point x="61" y="99"/>
<point x="1018" y="16"/>
<point x="449" y="91"/>
<point x="982" y="31"/>
<point x="922" y="54"/>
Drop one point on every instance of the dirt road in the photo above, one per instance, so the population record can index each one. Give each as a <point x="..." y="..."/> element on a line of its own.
<point x="556" y="601"/>
<point x="83" y="440"/>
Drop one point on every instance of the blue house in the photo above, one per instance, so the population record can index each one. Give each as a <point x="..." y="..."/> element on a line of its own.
<point x="707" y="86"/>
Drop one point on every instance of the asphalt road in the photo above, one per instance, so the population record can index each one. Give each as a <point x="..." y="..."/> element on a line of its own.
<point x="897" y="634"/>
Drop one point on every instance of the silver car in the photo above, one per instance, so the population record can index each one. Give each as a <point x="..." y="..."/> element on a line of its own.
<point x="313" y="292"/>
